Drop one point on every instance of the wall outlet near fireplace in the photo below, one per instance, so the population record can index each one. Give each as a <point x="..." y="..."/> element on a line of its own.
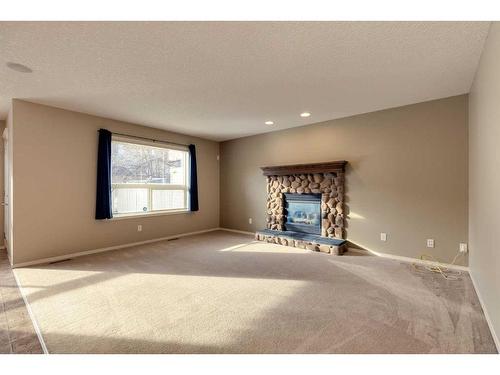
<point x="383" y="236"/>
<point x="463" y="247"/>
<point x="430" y="242"/>
<point x="249" y="220"/>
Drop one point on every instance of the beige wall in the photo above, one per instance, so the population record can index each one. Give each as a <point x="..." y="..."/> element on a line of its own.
<point x="54" y="183"/>
<point x="484" y="178"/>
<point x="407" y="175"/>
<point x="2" y="127"/>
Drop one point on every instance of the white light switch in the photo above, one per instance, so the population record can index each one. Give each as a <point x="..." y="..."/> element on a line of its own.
<point x="383" y="236"/>
<point x="430" y="242"/>
<point x="249" y="220"/>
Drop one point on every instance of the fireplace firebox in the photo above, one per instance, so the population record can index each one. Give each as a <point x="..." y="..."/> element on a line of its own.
<point x="303" y="213"/>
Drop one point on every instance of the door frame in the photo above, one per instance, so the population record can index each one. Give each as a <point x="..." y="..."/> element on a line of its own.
<point x="7" y="193"/>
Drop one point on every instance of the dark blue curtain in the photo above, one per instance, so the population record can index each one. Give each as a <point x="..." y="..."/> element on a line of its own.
<point x="193" y="179"/>
<point x="103" y="198"/>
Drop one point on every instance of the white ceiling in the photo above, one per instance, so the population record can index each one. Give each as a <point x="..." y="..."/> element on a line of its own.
<point x="223" y="80"/>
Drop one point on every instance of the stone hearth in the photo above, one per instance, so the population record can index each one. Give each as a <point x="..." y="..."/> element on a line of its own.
<point x="326" y="179"/>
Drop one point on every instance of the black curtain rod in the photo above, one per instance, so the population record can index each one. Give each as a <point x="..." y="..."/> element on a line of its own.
<point x="150" y="139"/>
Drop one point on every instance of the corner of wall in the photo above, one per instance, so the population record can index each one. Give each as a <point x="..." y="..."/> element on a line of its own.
<point x="483" y="154"/>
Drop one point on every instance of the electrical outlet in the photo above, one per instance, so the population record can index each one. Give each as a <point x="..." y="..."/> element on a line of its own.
<point x="430" y="242"/>
<point x="139" y="228"/>
<point x="463" y="247"/>
<point x="218" y="157"/>
<point x="249" y="220"/>
<point x="383" y="236"/>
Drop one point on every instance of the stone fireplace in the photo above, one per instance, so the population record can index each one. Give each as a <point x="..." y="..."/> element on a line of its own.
<point x="305" y="206"/>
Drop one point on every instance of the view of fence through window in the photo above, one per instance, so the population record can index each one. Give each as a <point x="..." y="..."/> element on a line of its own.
<point x="147" y="178"/>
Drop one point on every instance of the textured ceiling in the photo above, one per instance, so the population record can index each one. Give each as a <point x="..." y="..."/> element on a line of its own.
<point x="222" y="80"/>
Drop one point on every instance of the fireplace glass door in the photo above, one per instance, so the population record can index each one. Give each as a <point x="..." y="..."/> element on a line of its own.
<point x="303" y="213"/>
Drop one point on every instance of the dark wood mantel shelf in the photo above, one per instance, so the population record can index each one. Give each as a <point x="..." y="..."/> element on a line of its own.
<point x="327" y="167"/>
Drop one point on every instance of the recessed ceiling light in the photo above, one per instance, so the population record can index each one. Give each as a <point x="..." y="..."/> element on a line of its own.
<point x="305" y="114"/>
<point x="18" y="67"/>
<point x="269" y="123"/>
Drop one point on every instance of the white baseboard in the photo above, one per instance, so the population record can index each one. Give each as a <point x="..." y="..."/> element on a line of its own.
<point x="236" y="231"/>
<point x="410" y="260"/>
<point x="485" y="311"/>
<point x="383" y="255"/>
<point x="101" y="250"/>
<point x="32" y="316"/>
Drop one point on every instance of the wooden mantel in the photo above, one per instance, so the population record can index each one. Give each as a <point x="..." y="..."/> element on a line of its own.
<point x="327" y="167"/>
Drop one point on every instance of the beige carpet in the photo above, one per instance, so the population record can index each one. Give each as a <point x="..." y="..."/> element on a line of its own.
<point x="224" y="293"/>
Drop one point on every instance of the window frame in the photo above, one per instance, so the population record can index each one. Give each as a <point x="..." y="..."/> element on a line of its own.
<point x="153" y="186"/>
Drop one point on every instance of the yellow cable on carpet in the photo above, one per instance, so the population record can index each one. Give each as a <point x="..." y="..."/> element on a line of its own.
<point x="437" y="268"/>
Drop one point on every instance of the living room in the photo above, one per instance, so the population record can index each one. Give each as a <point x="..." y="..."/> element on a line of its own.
<point x="250" y="187"/>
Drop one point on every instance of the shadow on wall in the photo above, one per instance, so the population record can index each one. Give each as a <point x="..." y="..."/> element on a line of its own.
<point x="350" y="178"/>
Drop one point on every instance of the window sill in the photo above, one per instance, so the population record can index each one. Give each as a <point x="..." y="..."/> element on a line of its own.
<point x="149" y="214"/>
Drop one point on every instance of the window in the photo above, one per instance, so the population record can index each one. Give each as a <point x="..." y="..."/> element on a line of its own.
<point x="148" y="177"/>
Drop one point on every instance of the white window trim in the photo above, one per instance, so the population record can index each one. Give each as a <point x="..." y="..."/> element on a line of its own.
<point x="149" y="186"/>
<point x="134" y="215"/>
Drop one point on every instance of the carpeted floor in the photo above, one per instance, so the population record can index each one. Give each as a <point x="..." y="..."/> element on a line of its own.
<point x="222" y="292"/>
